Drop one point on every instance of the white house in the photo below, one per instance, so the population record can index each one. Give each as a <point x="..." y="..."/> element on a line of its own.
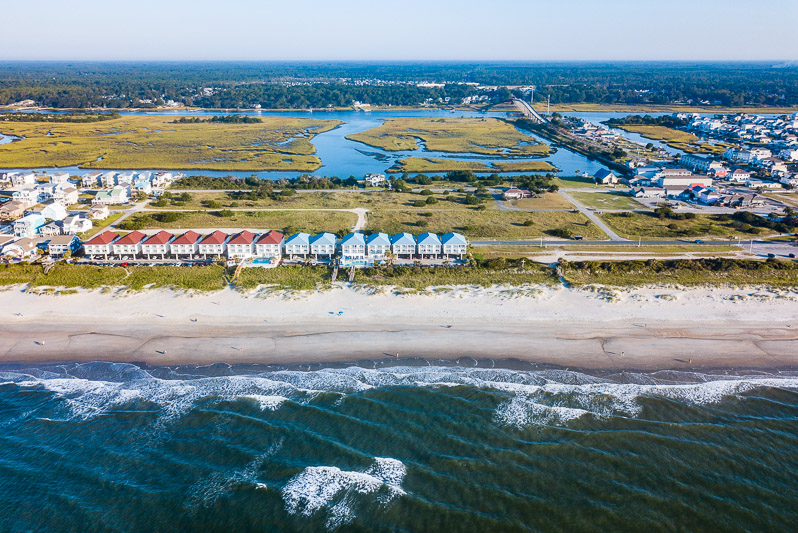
<point x="739" y="176"/>
<point x="158" y="244"/>
<point x="428" y="244"/>
<point x="353" y="247"/>
<point x="60" y="178"/>
<point x="241" y="245"/>
<point x="50" y="229"/>
<point x="403" y="244"/>
<point x="100" y="244"/>
<point x="454" y="244"/>
<point x="22" y="179"/>
<point x="186" y="244"/>
<point x="66" y="196"/>
<point x="23" y="248"/>
<point x="124" y="178"/>
<point x="322" y="244"/>
<point x="74" y="224"/>
<point x="91" y="179"/>
<point x="605" y="176"/>
<point x="297" y="245"/>
<point x="54" y="211"/>
<point x="61" y="244"/>
<point x="108" y="180"/>
<point x="374" y="180"/>
<point x="28" y="226"/>
<point x="270" y="245"/>
<point x="214" y="244"/>
<point x="129" y="245"/>
<point x="99" y="212"/>
<point x="27" y="195"/>
<point x="117" y="195"/>
<point x="378" y="245"/>
<point x="513" y="194"/>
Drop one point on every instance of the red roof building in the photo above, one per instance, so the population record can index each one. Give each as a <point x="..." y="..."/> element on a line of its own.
<point x="134" y="237"/>
<point x="189" y="237"/>
<point x="271" y="237"/>
<point x="217" y="237"/>
<point x="104" y="238"/>
<point x="162" y="237"/>
<point x="245" y="237"/>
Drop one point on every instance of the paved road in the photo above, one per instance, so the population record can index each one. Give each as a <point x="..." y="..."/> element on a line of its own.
<point x="529" y="110"/>
<point x="593" y="218"/>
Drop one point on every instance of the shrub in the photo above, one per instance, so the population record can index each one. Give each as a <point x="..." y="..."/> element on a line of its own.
<point x="422" y="223"/>
<point x="426" y="192"/>
<point x="528" y="223"/>
<point x="431" y="200"/>
<point x="563" y="233"/>
<point x="224" y="213"/>
<point x="420" y="203"/>
<point x="212" y="204"/>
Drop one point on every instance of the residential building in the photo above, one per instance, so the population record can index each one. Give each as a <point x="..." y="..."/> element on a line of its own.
<point x="186" y="244"/>
<point x="50" y="229"/>
<point x="60" y="178"/>
<point x="270" y="245"/>
<point x="241" y="245"/>
<point x="66" y="196"/>
<point x="54" y="211"/>
<point x="740" y="176"/>
<point x="100" y="244"/>
<point x="29" y="195"/>
<point x="99" y="212"/>
<point x="24" y="248"/>
<point x="353" y="247"/>
<point x="74" y="224"/>
<point x="649" y="192"/>
<point x="157" y="244"/>
<point x="45" y="191"/>
<point x="297" y="245"/>
<point x="142" y="185"/>
<point x="117" y="195"/>
<point x="323" y="245"/>
<point x="22" y="179"/>
<point x="428" y="245"/>
<point x="28" y="226"/>
<point x="108" y="180"/>
<point x="454" y="245"/>
<point x="128" y="246"/>
<point x="605" y="177"/>
<point x="59" y="245"/>
<point x="513" y="194"/>
<point x="377" y="246"/>
<point x="403" y="245"/>
<point x="12" y="210"/>
<point x="91" y="179"/>
<point x="373" y="180"/>
<point x="669" y="180"/>
<point x="214" y="245"/>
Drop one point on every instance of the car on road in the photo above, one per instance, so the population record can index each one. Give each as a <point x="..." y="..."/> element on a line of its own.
<point x="791" y="256"/>
<point x="771" y="256"/>
<point x="699" y="241"/>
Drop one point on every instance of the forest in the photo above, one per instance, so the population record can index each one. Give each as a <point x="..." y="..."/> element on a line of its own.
<point x="302" y="85"/>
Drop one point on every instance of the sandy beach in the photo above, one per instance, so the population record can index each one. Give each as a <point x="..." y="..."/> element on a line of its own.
<point x="646" y="329"/>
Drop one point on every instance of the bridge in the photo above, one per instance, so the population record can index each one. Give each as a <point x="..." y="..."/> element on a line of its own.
<point x="529" y="111"/>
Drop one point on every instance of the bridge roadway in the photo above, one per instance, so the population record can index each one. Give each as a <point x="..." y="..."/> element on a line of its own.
<point x="529" y="111"/>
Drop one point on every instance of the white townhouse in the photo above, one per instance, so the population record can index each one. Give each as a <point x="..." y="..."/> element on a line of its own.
<point x="158" y="244"/>
<point x="186" y="244"/>
<point x="428" y="245"/>
<point x="323" y="244"/>
<point x="241" y="245"/>
<point x="213" y="244"/>
<point x="129" y="245"/>
<point x="403" y="244"/>
<point x="378" y="245"/>
<point x="353" y="246"/>
<point x="270" y="245"/>
<point x="297" y="244"/>
<point x="454" y="244"/>
<point x="100" y="244"/>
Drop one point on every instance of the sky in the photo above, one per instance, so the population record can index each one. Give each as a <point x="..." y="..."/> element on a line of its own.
<point x="403" y="30"/>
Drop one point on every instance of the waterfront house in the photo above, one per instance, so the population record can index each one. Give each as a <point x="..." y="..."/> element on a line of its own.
<point x="108" y="180"/>
<point x="60" y="178"/>
<point x="91" y="179"/>
<point x="142" y="185"/>
<point x="25" y="248"/>
<point x="74" y="224"/>
<point x="213" y="245"/>
<point x="12" y="210"/>
<point x="100" y="245"/>
<point x="241" y="246"/>
<point x="353" y="247"/>
<point x="50" y="229"/>
<point x="124" y="178"/>
<point x="297" y="245"/>
<point x="117" y="195"/>
<point x="270" y="245"/>
<point x="66" y="196"/>
<point x="28" y="226"/>
<point x="403" y="245"/>
<point x="59" y="245"/>
<point x="377" y="246"/>
<point x="428" y="245"/>
<point x="54" y="211"/>
<point x="22" y="179"/>
<point x="158" y="244"/>
<point x="27" y="195"/>
<point x="323" y="245"/>
<point x="605" y="177"/>
<point x="454" y="245"/>
<point x="186" y="244"/>
<point x="128" y="246"/>
<point x="373" y="180"/>
<point x="162" y="179"/>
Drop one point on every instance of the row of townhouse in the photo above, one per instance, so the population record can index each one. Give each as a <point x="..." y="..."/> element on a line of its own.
<point x="273" y="245"/>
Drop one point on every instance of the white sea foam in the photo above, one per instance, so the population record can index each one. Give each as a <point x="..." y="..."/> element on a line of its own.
<point x="329" y="488"/>
<point x="268" y="403"/>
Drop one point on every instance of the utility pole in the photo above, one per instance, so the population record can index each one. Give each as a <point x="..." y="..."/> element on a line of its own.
<point x="548" y="105"/>
<point x="751" y="247"/>
<point x="639" y="241"/>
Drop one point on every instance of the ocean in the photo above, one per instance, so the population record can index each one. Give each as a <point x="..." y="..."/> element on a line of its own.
<point x="417" y="446"/>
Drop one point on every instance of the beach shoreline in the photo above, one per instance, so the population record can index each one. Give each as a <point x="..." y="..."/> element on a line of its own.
<point x="641" y="329"/>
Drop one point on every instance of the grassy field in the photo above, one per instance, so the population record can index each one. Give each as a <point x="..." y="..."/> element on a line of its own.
<point x="287" y="277"/>
<point x="286" y="221"/>
<point x="789" y="199"/>
<point x="490" y="224"/>
<point x="682" y="272"/>
<point x="674" y="138"/>
<point x="152" y="142"/>
<point x="99" y="225"/>
<point x="572" y="182"/>
<point x="465" y="135"/>
<point x="548" y="200"/>
<point x="606" y="200"/>
<point x="634" y="225"/>
<point x="437" y="164"/>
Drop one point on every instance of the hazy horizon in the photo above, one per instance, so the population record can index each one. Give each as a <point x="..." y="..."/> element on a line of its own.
<point x="354" y="30"/>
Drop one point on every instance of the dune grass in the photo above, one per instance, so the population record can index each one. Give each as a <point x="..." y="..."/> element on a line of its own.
<point x="606" y="200"/>
<point x="548" y="200"/>
<point x="422" y="278"/>
<point x="464" y="135"/>
<point x="156" y="142"/>
<point x="647" y="225"/>
<point x="681" y="140"/>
